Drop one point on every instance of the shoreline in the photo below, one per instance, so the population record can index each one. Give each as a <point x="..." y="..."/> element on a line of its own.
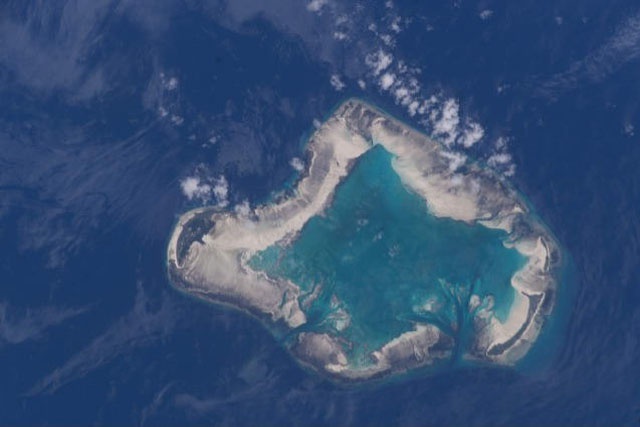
<point x="353" y="128"/>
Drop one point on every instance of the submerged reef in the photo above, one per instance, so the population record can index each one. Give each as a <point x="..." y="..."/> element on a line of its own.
<point x="383" y="258"/>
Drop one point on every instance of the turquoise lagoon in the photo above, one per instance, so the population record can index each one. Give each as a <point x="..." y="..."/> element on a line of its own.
<point x="376" y="262"/>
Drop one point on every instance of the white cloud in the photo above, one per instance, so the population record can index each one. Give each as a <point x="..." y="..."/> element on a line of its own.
<point x="221" y="191"/>
<point x="194" y="189"/>
<point x="404" y="95"/>
<point x="472" y="134"/>
<point x="316" y="5"/>
<point x="386" y="81"/>
<point x="499" y="159"/>
<point x="379" y="61"/>
<point x="395" y="25"/>
<point x="176" y="119"/>
<point x="172" y="84"/>
<point x="486" y="14"/>
<point x="502" y="162"/>
<point x="413" y="108"/>
<point x="427" y="105"/>
<point x="340" y="20"/>
<point x="337" y="83"/>
<point x="362" y="84"/>
<point x="297" y="164"/>
<point x="502" y="87"/>
<point x="201" y="189"/>
<point x="339" y="35"/>
<point x="387" y="39"/>
<point x="445" y="122"/>
<point x="401" y="93"/>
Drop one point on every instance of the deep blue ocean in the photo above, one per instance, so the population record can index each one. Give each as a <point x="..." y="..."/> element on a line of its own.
<point x="107" y="108"/>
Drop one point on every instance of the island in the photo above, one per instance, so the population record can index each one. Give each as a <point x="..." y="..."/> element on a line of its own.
<point x="384" y="257"/>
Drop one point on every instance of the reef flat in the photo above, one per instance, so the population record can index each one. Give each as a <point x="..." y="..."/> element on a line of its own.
<point x="384" y="258"/>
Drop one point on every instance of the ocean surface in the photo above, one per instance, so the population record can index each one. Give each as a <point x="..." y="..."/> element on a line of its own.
<point x="116" y="117"/>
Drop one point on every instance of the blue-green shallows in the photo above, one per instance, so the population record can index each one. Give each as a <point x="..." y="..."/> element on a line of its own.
<point x="380" y="256"/>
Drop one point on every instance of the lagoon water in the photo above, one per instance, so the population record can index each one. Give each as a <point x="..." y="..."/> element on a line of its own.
<point x="378" y="262"/>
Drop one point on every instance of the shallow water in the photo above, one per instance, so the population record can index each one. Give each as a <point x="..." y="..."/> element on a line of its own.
<point x="380" y="256"/>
